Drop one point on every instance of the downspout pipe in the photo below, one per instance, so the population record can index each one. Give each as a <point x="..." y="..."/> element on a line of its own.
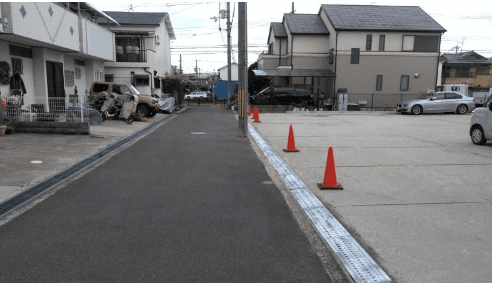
<point x="437" y="66"/>
<point x="151" y="80"/>
<point x="292" y="46"/>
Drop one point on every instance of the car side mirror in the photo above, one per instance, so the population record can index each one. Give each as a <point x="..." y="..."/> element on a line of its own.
<point x="433" y="98"/>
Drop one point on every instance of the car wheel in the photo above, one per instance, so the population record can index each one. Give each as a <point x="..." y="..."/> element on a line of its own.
<point x="142" y="111"/>
<point x="462" y="109"/>
<point x="417" y="109"/>
<point x="477" y="135"/>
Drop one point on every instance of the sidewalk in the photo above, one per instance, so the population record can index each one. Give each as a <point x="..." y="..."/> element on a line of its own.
<point x="27" y="159"/>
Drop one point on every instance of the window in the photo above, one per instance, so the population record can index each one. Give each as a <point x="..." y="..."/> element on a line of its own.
<point x="439" y="96"/>
<point x="382" y="42"/>
<point x="156" y="82"/>
<point x="378" y="83"/>
<point x="79" y="62"/>
<point x="69" y="78"/>
<point x="20" y="51"/>
<point x="100" y="87"/>
<point x="355" y="55"/>
<point x="16" y="66"/>
<point x="426" y="43"/>
<point x="109" y="78"/>
<point x="78" y="72"/>
<point x="462" y="72"/>
<point x="368" y="45"/>
<point x="142" y="80"/>
<point x="98" y="76"/>
<point x="455" y="88"/>
<point x="482" y="71"/>
<point x="405" y="82"/>
<point x="331" y="56"/>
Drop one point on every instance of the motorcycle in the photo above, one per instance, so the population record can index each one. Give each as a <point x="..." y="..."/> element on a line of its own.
<point x="126" y="111"/>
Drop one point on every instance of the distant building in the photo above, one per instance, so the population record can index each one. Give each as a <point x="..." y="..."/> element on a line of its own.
<point x="389" y="51"/>
<point x="467" y="67"/>
<point x="221" y="87"/>
<point x="142" y="49"/>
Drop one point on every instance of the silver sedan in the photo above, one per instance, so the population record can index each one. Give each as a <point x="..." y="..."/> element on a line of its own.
<point x="439" y="102"/>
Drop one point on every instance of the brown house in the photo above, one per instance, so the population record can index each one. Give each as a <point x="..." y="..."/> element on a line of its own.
<point x="467" y="67"/>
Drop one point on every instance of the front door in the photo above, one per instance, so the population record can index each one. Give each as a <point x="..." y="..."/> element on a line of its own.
<point x="55" y="86"/>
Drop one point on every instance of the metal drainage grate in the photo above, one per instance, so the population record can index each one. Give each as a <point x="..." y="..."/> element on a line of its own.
<point x="20" y="199"/>
<point x="360" y="266"/>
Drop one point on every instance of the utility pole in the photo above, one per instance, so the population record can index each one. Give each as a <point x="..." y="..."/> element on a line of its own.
<point x="243" y="96"/>
<point x="180" y="66"/>
<point x="229" y="83"/>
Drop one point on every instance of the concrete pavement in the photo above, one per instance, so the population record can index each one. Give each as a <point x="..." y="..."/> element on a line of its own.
<point x="417" y="192"/>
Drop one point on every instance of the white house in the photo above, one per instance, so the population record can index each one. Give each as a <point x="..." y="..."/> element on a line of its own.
<point x="54" y="48"/>
<point x="142" y="47"/>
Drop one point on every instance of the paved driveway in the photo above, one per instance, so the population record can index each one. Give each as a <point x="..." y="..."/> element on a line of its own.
<point x="417" y="192"/>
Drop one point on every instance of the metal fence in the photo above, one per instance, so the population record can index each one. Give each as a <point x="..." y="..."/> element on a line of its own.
<point x="373" y="102"/>
<point x="51" y="109"/>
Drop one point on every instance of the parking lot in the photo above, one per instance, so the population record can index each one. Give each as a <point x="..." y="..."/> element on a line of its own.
<point x="417" y="191"/>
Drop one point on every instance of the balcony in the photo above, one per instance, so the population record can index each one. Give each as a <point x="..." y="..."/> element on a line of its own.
<point x="131" y="54"/>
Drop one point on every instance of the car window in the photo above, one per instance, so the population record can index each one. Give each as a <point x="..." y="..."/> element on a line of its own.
<point x="117" y="89"/>
<point x="100" y="87"/>
<point x="439" y="96"/>
<point x="453" y="96"/>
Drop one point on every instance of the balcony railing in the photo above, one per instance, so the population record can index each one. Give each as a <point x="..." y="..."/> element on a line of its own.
<point x="137" y="55"/>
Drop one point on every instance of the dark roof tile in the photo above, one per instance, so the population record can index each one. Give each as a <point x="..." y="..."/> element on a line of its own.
<point x="384" y="18"/>
<point x="305" y="24"/>
<point x="135" y="18"/>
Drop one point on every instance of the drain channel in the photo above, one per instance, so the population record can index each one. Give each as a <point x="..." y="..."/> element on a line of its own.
<point x="360" y="266"/>
<point x="22" y="198"/>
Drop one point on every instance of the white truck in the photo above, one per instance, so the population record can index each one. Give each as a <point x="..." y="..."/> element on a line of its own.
<point x="461" y="88"/>
<point x="480" y="97"/>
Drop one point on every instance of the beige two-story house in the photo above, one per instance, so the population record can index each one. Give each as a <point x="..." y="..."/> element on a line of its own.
<point x="381" y="53"/>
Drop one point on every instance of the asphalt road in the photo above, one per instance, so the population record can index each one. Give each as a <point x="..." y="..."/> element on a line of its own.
<point x="190" y="202"/>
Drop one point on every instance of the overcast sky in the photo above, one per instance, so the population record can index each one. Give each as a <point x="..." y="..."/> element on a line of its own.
<point x="199" y="41"/>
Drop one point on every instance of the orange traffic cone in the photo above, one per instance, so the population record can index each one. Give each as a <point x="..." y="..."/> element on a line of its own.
<point x="255" y="116"/>
<point x="330" y="182"/>
<point x="291" y="147"/>
<point x="249" y="113"/>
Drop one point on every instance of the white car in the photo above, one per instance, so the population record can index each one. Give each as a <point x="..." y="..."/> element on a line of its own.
<point x="481" y="125"/>
<point x="196" y="94"/>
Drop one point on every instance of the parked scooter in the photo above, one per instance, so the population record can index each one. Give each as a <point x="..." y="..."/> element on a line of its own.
<point x="125" y="111"/>
<point x="129" y="105"/>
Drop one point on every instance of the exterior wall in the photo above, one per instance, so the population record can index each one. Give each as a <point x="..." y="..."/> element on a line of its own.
<point x="96" y="41"/>
<point x="392" y="67"/>
<point x="234" y="73"/>
<point x="313" y="44"/>
<point x="27" y="70"/>
<point x="484" y="81"/>
<point x="37" y="24"/>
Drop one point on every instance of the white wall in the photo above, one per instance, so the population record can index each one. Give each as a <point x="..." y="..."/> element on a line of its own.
<point x="39" y="25"/>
